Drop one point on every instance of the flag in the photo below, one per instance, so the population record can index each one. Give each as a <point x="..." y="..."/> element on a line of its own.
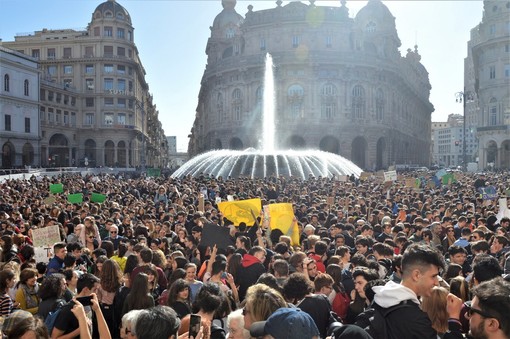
<point x="282" y="218"/>
<point x="241" y="210"/>
<point x="56" y="188"/>
<point x="448" y="179"/>
<point x="96" y="197"/>
<point x="75" y="198"/>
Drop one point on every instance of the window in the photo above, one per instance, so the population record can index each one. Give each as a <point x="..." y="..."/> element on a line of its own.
<point x="371" y="27"/>
<point x="121" y="51"/>
<point x="57" y="116"/>
<point x="66" y="118"/>
<point x="295" y="95"/>
<point x="51" y="95"/>
<point x="89" y="51"/>
<point x="120" y="33"/>
<point x="108" y="68"/>
<point x="42" y="94"/>
<point x="230" y="33"/>
<point x="73" y="119"/>
<point x="130" y="86"/>
<point x="507" y="71"/>
<point x="108" y="31"/>
<point x="67" y="53"/>
<point x="26" y="87"/>
<point x="492" y="72"/>
<point x="52" y="70"/>
<point x="130" y="53"/>
<point x="50" y="115"/>
<point x="59" y="97"/>
<point x="36" y="53"/>
<point x="379" y="104"/>
<point x="97" y="31"/>
<point x="6" y="83"/>
<point x="262" y="44"/>
<point x="89" y="69"/>
<point x="296" y="90"/>
<point x="120" y="16"/>
<point x="329" y="90"/>
<point x="89" y="102"/>
<point x="328" y="110"/>
<point x="89" y="119"/>
<point x="108" y="84"/>
<point x="108" y="119"/>
<point x="358" y="102"/>
<point x="507" y="48"/>
<point x="51" y="53"/>
<point x="89" y="84"/>
<point x="121" y="118"/>
<point x="68" y="69"/>
<point x="121" y="85"/>
<point x="328" y="101"/>
<point x="42" y="113"/>
<point x="492" y="29"/>
<point x="108" y="51"/>
<point x="121" y="69"/>
<point x="108" y="102"/>
<point x="121" y="102"/>
<point x="493" y="112"/>
<point x="130" y="36"/>
<point x="7" y="121"/>
<point x="237" y="104"/>
<point x="220" y="108"/>
<point x="329" y="41"/>
<point x="66" y="99"/>
<point x="295" y="41"/>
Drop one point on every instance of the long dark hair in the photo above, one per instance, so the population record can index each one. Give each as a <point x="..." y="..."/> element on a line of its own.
<point x="5" y="275"/>
<point x="178" y="286"/>
<point x="139" y="294"/>
<point x="110" y="276"/>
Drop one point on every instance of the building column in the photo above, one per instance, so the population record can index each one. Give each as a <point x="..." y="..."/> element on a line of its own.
<point x="115" y="155"/>
<point x="499" y="157"/>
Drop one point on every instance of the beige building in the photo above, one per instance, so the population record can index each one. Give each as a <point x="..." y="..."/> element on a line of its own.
<point x="490" y="55"/>
<point x="341" y="84"/>
<point x="95" y="106"/>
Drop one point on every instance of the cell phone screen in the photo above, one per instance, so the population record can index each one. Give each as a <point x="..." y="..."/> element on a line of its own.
<point x="194" y="325"/>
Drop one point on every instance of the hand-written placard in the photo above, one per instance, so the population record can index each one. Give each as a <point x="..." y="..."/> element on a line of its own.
<point x="46" y="236"/>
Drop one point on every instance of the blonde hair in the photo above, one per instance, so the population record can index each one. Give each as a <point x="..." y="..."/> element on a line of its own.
<point x="435" y="307"/>
<point x="262" y="301"/>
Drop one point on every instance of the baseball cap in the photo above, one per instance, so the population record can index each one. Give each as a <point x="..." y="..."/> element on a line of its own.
<point x="286" y="323"/>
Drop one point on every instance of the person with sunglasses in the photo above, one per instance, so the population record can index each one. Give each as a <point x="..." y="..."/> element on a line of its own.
<point x="487" y="312"/>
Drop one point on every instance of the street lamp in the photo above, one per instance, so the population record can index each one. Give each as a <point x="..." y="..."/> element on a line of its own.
<point x="463" y="97"/>
<point x="142" y="158"/>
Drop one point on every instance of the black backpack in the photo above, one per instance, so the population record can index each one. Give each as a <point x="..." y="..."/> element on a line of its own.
<point x="378" y="328"/>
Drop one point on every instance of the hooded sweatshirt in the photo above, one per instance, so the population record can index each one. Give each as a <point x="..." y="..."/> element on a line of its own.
<point x="392" y="294"/>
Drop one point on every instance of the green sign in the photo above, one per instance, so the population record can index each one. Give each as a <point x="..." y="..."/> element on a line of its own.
<point x="96" y="197"/>
<point x="153" y="172"/>
<point x="75" y="198"/>
<point x="56" y="188"/>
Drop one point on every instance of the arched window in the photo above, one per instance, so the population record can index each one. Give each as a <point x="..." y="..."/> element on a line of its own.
<point x="259" y="94"/>
<point x="329" y="90"/>
<point x="26" y="87"/>
<point x="236" y="94"/>
<point x="371" y="27"/>
<point x="6" y="82"/>
<point x="379" y="104"/>
<point x="296" y="90"/>
<point x="358" y="102"/>
<point x="220" y="108"/>
<point x="493" y="112"/>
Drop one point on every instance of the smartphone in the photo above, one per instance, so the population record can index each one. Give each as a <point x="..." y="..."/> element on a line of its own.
<point x="85" y="301"/>
<point x="194" y="325"/>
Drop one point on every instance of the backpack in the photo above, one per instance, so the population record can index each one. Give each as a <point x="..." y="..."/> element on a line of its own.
<point x="378" y="328"/>
<point x="51" y="318"/>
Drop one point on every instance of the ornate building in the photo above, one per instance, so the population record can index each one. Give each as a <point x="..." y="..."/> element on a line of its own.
<point x="95" y="106"/>
<point x="489" y="58"/>
<point x="341" y="84"/>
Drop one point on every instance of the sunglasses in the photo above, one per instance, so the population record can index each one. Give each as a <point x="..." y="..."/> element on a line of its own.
<point x="471" y="310"/>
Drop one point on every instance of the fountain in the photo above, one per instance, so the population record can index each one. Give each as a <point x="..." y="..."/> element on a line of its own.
<point x="268" y="161"/>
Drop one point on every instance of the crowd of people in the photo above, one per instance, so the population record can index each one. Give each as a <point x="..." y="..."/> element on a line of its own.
<point x="375" y="259"/>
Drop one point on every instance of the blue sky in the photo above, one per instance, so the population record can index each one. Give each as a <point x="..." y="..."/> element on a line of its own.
<point x="171" y="36"/>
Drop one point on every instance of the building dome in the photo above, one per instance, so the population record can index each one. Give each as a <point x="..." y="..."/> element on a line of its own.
<point x="228" y="16"/>
<point x="111" y="9"/>
<point x="376" y="12"/>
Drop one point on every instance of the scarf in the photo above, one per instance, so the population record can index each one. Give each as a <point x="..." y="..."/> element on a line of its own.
<point x="31" y="297"/>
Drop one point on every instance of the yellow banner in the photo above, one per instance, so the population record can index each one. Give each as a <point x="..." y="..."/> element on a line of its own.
<point x="282" y="217"/>
<point x="241" y="211"/>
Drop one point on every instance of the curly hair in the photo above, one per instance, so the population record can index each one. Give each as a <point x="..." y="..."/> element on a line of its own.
<point x="110" y="276"/>
<point x="51" y="287"/>
<point x="297" y="287"/>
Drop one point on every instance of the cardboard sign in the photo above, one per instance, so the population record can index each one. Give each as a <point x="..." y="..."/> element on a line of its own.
<point x="343" y="178"/>
<point x="46" y="236"/>
<point x="213" y="234"/>
<point x="364" y="176"/>
<point x="50" y="201"/>
<point x="42" y="254"/>
<point x="390" y="176"/>
<point x="488" y="193"/>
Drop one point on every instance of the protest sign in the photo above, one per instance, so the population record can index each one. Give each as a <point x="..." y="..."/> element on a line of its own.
<point x="390" y="176"/>
<point x="56" y="188"/>
<point x="282" y="218"/>
<point x="46" y="236"/>
<point x="241" y="210"/>
<point x="213" y="234"/>
<point x="75" y="198"/>
<point x="96" y="197"/>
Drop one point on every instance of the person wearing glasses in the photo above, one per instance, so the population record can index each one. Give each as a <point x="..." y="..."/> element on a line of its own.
<point x="114" y="236"/>
<point x="487" y="312"/>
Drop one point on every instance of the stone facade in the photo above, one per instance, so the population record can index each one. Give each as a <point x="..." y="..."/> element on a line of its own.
<point x="95" y="105"/>
<point x="341" y="84"/>
<point x="490" y="51"/>
<point x="19" y="122"/>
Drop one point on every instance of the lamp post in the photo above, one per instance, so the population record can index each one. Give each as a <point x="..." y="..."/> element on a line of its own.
<point x="463" y="97"/>
<point x="142" y="158"/>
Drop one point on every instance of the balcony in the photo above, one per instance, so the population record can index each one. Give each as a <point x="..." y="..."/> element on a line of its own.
<point x="493" y="128"/>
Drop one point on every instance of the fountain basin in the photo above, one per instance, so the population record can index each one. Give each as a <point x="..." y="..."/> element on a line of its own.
<point x="253" y="163"/>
